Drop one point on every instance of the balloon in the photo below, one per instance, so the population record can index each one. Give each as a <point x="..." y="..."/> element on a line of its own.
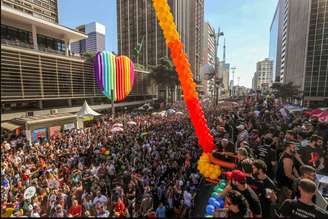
<point x="221" y="202"/>
<point x="214" y="194"/>
<point x="211" y="201"/>
<point x="113" y="74"/>
<point x="210" y="209"/>
<point x="107" y="153"/>
<point x="103" y="150"/>
<point x="216" y="204"/>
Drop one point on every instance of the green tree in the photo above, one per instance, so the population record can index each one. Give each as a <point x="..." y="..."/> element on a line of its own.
<point x="89" y="55"/>
<point x="164" y="75"/>
<point x="286" y="90"/>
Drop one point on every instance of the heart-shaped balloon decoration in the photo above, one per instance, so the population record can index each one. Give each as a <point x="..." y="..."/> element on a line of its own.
<point x="114" y="74"/>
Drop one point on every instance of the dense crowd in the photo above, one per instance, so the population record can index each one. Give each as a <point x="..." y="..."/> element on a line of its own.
<point x="150" y="169"/>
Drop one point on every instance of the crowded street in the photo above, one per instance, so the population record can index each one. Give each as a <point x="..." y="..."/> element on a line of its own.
<point x="149" y="168"/>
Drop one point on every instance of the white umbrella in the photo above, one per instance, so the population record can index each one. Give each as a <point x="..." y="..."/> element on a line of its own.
<point x="117" y="129"/>
<point x="118" y="125"/>
<point x="131" y="123"/>
<point x="29" y="192"/>
<point x="179" y="113"/>
<point x="170" y="111"/>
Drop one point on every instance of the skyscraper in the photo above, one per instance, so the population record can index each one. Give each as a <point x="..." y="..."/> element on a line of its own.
<point x="302" y="46"/>
<point x="45" y="9"/>
<point x="263" y="75"/>
<point x="208" y="53"/>
<point x="95" y="41"/>
<point x="141" y="38"/>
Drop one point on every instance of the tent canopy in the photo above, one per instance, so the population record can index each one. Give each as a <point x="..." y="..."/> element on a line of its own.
<point x="87" y="111"/>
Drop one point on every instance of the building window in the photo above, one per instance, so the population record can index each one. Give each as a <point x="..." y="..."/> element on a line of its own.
<point x="49" y="44"/>
<point x="15" y="36"/>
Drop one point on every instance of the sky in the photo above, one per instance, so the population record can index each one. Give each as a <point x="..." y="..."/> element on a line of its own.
<point x="245" y="23"/>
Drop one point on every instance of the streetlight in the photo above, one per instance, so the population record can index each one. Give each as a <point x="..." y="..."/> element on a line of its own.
<point x="217" y="38"/>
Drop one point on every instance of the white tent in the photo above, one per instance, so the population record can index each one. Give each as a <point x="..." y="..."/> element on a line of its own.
<point x="87" y="111"/>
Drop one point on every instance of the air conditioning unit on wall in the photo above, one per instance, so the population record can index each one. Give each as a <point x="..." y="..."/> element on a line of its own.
<point x="53" y="111"/>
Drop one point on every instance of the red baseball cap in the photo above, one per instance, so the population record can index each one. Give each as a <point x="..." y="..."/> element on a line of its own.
<point x="236" y="175"/>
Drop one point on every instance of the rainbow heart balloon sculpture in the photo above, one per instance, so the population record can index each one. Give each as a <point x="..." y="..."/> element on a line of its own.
<point x="190" y="95"/>
<point x="114" y="74"/>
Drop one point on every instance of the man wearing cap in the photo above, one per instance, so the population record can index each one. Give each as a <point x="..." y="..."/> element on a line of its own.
<point x="303" y="206"/>
<point x="238" y="183"/>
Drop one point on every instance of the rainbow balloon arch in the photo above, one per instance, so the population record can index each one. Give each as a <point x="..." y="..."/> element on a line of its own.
<point x="190" y="95"/>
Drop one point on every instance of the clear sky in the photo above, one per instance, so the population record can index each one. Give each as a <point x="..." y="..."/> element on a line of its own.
<point x="245" y="23"/>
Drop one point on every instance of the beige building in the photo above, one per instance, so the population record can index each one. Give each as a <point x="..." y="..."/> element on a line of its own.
<point x="44" y="9"/>
<point x="41" y="77"/>
<point x="208" y="53"/>
<point x="263" y="76"/>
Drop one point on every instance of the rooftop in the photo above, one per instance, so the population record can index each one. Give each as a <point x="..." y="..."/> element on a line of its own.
<point x="67" y="33"/>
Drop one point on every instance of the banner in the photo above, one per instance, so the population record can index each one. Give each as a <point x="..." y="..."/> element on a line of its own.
<point x="69" y="126"/>
<point x="40" y="135"/>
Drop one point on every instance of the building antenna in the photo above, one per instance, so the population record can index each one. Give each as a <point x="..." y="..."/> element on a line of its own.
<point x="224" y="51"/>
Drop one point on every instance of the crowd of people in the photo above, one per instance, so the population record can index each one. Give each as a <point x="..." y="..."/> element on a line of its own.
<point x="151" y="170"/>
<point x="277" y="155"/>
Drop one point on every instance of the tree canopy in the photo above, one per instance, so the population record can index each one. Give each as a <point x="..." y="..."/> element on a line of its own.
<point x="286" y="90"/>
<point x="164" y="73"/>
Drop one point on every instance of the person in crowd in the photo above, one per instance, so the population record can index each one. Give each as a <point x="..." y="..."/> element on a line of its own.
<point x="308" y="172"/>
<point x="238" y="183"/>
<point x="242" y="135"/>
<point x="237" y="205"/>
<point x="313" y="153"/>
<point x="286" y="171"/>
<point x="161" y="210"/>
<point x="266" y="188"/>
<point x="266" y="153"/>
<point x="303" y="206"/>
<point x="242" y="154"/>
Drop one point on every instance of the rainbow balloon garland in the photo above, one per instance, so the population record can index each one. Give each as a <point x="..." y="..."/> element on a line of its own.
<point x="180" y="59"/>
<point x="114" y="74"/>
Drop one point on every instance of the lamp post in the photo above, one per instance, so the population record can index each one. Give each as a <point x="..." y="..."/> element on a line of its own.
<point x="217" y="38"/>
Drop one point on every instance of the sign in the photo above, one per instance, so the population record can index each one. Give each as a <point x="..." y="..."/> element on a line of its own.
<point x="69" y="126"/>
<point x="40" y="134"/>
<point x="29" y="192"/>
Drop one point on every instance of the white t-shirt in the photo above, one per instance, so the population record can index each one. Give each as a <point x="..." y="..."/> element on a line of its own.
<point x="187" y="198"/>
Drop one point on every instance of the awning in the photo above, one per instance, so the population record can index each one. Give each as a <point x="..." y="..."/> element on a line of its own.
<point x="9" y="126"/>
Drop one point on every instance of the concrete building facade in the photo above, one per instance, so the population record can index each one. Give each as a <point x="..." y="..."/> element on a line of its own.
<point x="45" y="9"/>
<point x="39" y="72"/>
<point x="302" y="47"/>
<point x="263" y="75"/>
<point x="95" y="42"/>
<point x="137" y="28"/>
<point x="208" y="53"/>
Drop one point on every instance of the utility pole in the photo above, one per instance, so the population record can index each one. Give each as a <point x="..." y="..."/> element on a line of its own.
<point x="217" y="38"/>
<point x="233" y="80"/>
<point x="112" y="102"/>
<point x="238" y="78"/>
